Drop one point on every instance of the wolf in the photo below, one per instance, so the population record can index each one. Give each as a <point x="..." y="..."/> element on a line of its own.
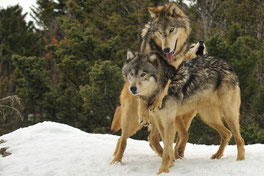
<point x="195" y="50"/>
<point x="128" y="112"/>
<point x="205" y="85"/>
<point x="131" y="125"/>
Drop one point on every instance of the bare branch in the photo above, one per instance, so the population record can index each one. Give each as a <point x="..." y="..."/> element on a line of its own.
<point x="10" y="104"/>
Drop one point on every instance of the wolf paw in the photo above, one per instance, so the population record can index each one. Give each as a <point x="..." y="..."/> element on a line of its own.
<point x="143" y="115"/>
<point x="177" y="156"/>
<point x="216" y="156"/>
<point x="144" y="122"/>
<point x="156" y="104"/>
<point x="114" y="161"/>
<point x="161" y="170"/>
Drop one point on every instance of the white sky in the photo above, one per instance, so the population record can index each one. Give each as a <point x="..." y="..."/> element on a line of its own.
<point x="26" y="4"/>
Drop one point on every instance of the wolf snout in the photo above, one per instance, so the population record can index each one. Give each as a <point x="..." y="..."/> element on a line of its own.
<point x="166" y="50"/>
<point x="133" y="89"/>
<point x="201" y="42"/>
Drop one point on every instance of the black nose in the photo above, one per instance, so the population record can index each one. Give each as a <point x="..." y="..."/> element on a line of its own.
<point x="133" y="89"/>
<point x="166" y="50"/>
<point x="201" y="41"/>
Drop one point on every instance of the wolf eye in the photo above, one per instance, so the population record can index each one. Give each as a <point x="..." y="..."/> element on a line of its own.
<point x="171" y="30"/>
<point x="131" y="74"/>
<point x="160" y="32"/>
<point x="143" y="74"/>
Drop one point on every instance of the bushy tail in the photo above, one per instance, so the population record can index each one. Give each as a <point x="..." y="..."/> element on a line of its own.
<point x="116" y="123"/>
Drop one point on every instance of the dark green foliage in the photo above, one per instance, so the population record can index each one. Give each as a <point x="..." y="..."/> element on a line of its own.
<point x="70" y="70"/>
<point x="33" y="80"/>
<point x="16" y="37"/>
<point x="101" y="95"/>
<point x="253" y="134"/>
<point x="46" y="11"/>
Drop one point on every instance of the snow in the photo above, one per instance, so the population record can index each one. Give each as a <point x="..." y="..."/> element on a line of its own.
<point x="53" y="149"/>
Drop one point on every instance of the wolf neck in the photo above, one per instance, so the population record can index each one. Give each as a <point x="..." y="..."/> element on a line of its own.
<point x="177" y="62"/>
<point x="166" y="72"/>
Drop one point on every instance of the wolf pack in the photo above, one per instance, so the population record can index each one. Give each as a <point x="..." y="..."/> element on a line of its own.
<point x="168" y="81"/>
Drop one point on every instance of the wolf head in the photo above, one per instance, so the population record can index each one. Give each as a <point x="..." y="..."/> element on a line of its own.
<point x="143" y="72"/>
<point x="197" y="49"/>
<point x="171" y="27"/>
<point x="140" y="70"/>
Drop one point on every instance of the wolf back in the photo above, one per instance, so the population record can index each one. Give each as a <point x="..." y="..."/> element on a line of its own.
<point x="199" y="74"/>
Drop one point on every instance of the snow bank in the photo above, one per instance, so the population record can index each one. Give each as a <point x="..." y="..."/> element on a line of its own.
<point x="52" y="149"/>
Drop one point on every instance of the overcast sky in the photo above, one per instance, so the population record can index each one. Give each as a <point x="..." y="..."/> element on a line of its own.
<point x="26" y="4"/>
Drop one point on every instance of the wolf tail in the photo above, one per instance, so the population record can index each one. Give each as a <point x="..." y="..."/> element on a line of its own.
<point x="116" y="123"/>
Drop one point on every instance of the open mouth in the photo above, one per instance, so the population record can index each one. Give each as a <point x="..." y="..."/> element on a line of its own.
<point x="172" y="53"/>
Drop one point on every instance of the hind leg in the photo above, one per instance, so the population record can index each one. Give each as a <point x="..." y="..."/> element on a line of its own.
<point x="187" y="119"/>
<point x="154" y="139"/>
<point x="231" y="116"/>
<point x="212" y="118"/>
<point x="122" y="142"/>
<point x="181" y="139"/>
<point x="129" y="127"/>
<point x="232" y="120"/>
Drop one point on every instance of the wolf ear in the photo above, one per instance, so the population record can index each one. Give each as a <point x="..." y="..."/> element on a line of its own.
<point x="154" y="12"/>
<point x="130" y="55"/>
<point x="174" y="10"/>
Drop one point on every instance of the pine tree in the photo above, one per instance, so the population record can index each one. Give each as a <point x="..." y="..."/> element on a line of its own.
<point x="17" y="37"/>
<point x="102" y="94"/>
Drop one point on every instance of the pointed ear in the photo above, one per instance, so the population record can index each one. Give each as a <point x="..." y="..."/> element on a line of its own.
<point x="173" y="10"/>
<point x="154" y="12"/>
<point x="130" y="55"/>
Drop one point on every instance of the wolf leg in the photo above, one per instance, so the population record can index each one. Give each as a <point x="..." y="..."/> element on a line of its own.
<point x="187" y="119"/>
<point x="129" y="126"/>
<point x="167" y="130"/>
<point x="232" y="120"/>
<point x="157" y="102"/>
<point x="154" y="139"/>
<point x="182" y="137"/>
<point x="230" y="108"/>
<point x="143" y="112"/>
<point x="212" y="118"/>
<point x="167" y="156"/>
<point x="116" y="123"/>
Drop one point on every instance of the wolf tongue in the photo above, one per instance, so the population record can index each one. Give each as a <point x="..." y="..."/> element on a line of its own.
<point x="169" y="57"/>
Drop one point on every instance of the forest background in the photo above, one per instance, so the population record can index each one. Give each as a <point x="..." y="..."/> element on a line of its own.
<point x="66" y="66"/>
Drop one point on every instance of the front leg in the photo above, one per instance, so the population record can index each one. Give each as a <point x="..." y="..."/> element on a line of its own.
<point x="157" y="102"/>
<point x="143" y="112"/>
<point x="167" y="130"/>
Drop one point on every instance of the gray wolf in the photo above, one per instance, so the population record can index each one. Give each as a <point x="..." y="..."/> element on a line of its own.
<point x="127" y="115"/>
<point x="129" y="123"/>
<point x="206" y="85"/>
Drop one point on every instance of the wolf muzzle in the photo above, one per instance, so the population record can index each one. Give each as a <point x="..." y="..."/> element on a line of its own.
<point x="200" y="50"/>
<point x="133" y="89"/>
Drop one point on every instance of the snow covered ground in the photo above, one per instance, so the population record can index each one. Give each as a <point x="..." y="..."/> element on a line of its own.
<point x="52" y="149"/>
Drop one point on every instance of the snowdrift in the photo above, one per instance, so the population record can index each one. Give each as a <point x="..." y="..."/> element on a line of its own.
<point x="53" y="149"/>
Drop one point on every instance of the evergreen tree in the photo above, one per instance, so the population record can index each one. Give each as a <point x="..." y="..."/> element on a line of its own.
<point x="32" y="83"/>
<point x="16" y="37"/>
<point x="102" y="94"/>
